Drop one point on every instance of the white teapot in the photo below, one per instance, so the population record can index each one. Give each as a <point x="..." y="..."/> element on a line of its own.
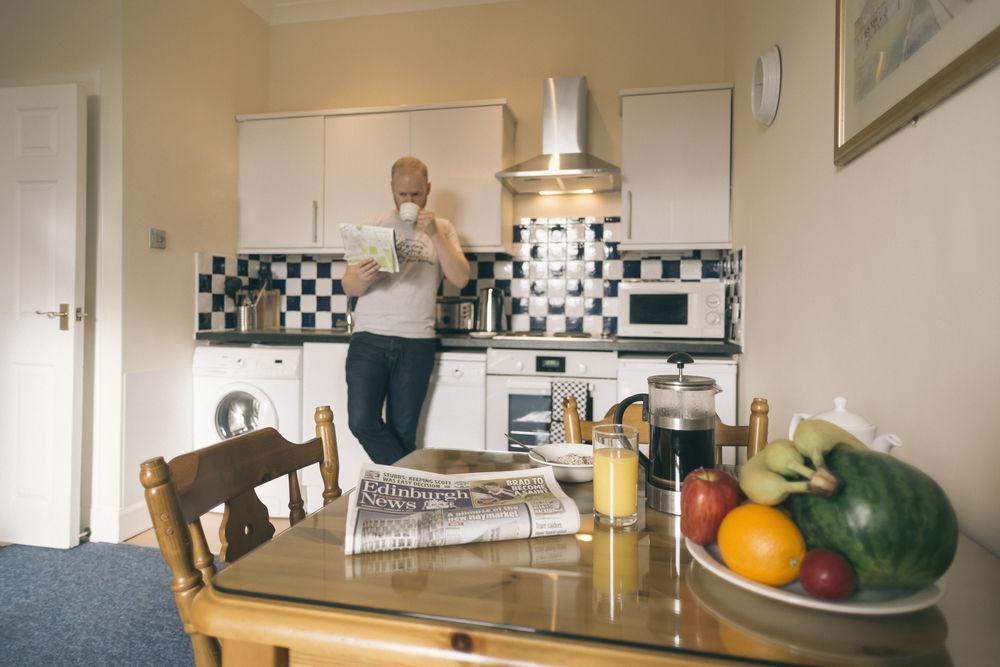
<point x="853" y="424"/>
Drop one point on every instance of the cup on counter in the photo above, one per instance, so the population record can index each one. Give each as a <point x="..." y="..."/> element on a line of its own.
<point x="616" y="475"/>
<point x="408" y="211"/>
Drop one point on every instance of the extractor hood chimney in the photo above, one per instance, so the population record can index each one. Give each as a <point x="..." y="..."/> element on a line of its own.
<point x="564" y="167"/>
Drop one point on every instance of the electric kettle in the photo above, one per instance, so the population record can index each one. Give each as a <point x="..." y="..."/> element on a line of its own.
<point x="489" y="310"/>
<point x="680" y="410"/>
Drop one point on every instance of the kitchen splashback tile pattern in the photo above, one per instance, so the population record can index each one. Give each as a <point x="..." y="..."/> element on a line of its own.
<point x="562" y="275"/>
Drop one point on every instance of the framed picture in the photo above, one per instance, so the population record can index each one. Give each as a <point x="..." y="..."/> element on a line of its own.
<point x="896" y="59"/>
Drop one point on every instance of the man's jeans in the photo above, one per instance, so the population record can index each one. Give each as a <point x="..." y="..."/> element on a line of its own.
<point x="392" y="371"/>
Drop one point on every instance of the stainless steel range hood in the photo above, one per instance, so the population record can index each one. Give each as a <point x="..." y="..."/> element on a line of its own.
<point x="564" y="167"/>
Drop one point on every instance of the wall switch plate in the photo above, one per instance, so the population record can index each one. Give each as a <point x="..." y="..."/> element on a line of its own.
<point x="157" y="238"/>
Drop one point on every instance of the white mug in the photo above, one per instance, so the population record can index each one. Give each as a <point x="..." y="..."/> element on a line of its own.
<point x="408" y="212"/>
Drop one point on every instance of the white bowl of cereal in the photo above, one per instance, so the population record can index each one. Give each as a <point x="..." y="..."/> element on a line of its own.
<point x="569" y="462"/>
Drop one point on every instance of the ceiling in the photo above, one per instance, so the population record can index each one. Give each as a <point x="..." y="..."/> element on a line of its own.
<point x="301" y="11"/>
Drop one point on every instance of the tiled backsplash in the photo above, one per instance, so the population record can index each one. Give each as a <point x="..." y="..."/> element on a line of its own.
<point x="562" y="275"/>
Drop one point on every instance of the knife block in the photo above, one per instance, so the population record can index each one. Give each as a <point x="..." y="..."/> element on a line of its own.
<point x="269" y="309"/>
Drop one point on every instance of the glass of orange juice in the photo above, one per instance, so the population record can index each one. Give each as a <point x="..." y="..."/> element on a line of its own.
<point x="616" y="474"/>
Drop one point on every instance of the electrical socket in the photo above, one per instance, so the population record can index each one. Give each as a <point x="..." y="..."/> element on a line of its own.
<point x="157" y="238"/>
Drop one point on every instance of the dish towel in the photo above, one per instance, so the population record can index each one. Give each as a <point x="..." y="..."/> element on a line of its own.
<point x="560" y="390"/>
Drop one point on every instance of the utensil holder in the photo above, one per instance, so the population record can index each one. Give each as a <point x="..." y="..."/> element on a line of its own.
<point x="246" y="317"/>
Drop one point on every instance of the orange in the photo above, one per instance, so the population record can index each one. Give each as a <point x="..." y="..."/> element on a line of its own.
<point x="761" y="543"/>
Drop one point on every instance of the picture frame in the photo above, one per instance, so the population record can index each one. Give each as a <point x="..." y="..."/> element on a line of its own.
<point x="897" y="59"/>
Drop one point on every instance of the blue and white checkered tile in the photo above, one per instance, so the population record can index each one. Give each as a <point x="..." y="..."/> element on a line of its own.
<point x="562" y="275"/>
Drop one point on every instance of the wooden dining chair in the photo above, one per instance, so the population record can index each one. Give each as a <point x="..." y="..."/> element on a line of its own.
<point x="753" y="436"/>
<point x="178" y="493"/>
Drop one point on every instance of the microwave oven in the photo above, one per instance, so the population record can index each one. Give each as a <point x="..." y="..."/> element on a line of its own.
<point x="671" y="309"/>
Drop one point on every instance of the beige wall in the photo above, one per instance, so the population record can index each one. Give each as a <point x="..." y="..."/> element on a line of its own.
<point x="876" y="281"/>
<point x="66" y="41"/>
<point x="189" y="67"/>
<point x="503" y="50"/>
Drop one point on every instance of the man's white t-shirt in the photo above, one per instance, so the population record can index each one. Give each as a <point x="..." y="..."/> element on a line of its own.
<point x="402" y="304"/>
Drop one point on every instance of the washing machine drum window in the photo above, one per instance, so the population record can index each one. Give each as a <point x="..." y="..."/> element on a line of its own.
<point x="238" y="412"/>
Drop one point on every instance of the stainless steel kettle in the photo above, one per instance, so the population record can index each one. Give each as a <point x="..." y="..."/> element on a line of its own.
<point x="489" y="311"/>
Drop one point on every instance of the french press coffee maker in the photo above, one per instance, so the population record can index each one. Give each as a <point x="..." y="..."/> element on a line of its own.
<point x="680" y="410"/>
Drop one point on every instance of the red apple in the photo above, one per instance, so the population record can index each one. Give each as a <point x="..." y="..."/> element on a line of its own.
<point x="826" y="574"/>
<point x="707" y="495"/>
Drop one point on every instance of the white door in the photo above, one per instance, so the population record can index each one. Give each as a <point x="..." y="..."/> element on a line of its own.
<point x="360" y="151"/>
<point x="42" y="227"/>
<point x="281" y="184"/>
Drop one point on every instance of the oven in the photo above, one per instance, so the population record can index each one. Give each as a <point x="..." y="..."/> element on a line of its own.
<point x="671" y="309"/>
<point x="519" y="389"/>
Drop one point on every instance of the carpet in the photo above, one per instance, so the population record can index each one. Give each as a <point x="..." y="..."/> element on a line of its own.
<point x="95" y="604"/>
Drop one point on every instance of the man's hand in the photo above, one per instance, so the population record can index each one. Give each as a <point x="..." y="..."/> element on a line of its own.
<point x="427" y="223"/>
<point x="359" y="277"/>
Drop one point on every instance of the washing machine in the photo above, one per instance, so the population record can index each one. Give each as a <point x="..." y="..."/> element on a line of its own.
<point x="241" y="389"/>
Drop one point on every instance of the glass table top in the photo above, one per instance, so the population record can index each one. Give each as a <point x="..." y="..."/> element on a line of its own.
<point x="632" y="587"/>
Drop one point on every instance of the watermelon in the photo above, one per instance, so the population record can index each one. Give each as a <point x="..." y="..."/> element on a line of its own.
<point x="892" y="522"/>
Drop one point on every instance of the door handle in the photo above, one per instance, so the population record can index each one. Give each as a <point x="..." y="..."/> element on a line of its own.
<point x="628" y="216"/>
<point x="62" y="314"/>
<point x="315" y="221"/>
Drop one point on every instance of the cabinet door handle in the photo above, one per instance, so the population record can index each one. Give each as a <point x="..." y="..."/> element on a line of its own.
<point x="628" y="215"/>
<point x="315" y="221"/>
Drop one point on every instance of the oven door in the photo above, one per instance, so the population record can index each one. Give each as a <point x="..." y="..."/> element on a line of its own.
<point x="521" y="406"/>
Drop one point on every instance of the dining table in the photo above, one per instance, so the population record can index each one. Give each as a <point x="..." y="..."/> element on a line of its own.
<point x="599" y="596"/>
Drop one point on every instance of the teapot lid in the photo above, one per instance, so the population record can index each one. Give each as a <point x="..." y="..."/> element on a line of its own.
<point x="842" y="418"/>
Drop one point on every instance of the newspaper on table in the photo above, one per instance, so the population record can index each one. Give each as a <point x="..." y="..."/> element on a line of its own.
<point x="364" y="241"/>
<point x="400" y="508"/>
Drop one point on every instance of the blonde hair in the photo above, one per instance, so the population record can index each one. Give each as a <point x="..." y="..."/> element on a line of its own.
<point x="408" y="165"/>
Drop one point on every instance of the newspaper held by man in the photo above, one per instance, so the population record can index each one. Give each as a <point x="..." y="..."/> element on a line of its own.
<point x="364" y="241"/>
<point x="400" y="508"/>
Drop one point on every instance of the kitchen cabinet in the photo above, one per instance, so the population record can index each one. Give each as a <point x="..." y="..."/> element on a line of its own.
<point x="360" y="150"/>
<point x="676" y="156"/>
<point x="351" y="151"/>
<point x="454" y="413"/>
<point x="280" y="184"/>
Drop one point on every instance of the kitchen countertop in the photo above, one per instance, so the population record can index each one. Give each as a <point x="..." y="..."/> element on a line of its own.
<point x="465" y="341"/>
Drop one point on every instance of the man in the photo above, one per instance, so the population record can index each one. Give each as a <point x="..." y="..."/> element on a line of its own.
<point x="391" y="355"/>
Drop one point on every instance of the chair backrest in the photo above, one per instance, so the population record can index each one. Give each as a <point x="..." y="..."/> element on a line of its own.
<point x="753" y="437"/>
<point x="178" y="493"/>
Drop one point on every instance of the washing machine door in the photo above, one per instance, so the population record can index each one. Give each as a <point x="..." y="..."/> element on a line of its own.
<point x="243" y="408"/>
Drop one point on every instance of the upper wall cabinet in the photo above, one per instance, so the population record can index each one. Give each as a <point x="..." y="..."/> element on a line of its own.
<point x="676" y="156"/>
<point x="281" y="184"/>
<point x="464" y="145"/>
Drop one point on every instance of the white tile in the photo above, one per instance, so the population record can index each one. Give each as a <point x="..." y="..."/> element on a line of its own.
<point x="594" y="250"/>
<point x="576" y="269"/>
<point x="307" y="303"/>
<point x="650" y="269"/>
<point x="538" y="270"/>
<point x="613" y="269"/>
<point x="593" y="287"/>
<point x="293" y="319"/>
<point x="520" y="322"/>
<point x="324" y="286"/>
<point x="308" y="270"/>
<point x="574" y="306"/>
<point x="218" y="321"/>
<point x="690" y="269"/>
<point x="593" y="324"/>
<point x="279" y="270"/>
<point x="293" y="286"/>
<point x="324" y="320"/>
<point x="556" y="287"/>
<point x="711" y="254"/>
<point x="538" y="306"/>
<point x="218" y="284"/>
<point x="337" y="269"/>
<point x="504" y="269"/>
<point x="609" y="306"/>
<point x="520" y="287"/>
<point x="338" y="303"/>
<point x="205" y="302"/>
<point x="203" y="262"/>
<point x="555" y="323"/>
<point x="612" y="231"/>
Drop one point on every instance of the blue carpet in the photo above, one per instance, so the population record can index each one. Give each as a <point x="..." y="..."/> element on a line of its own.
<point x="96" y="604"/>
